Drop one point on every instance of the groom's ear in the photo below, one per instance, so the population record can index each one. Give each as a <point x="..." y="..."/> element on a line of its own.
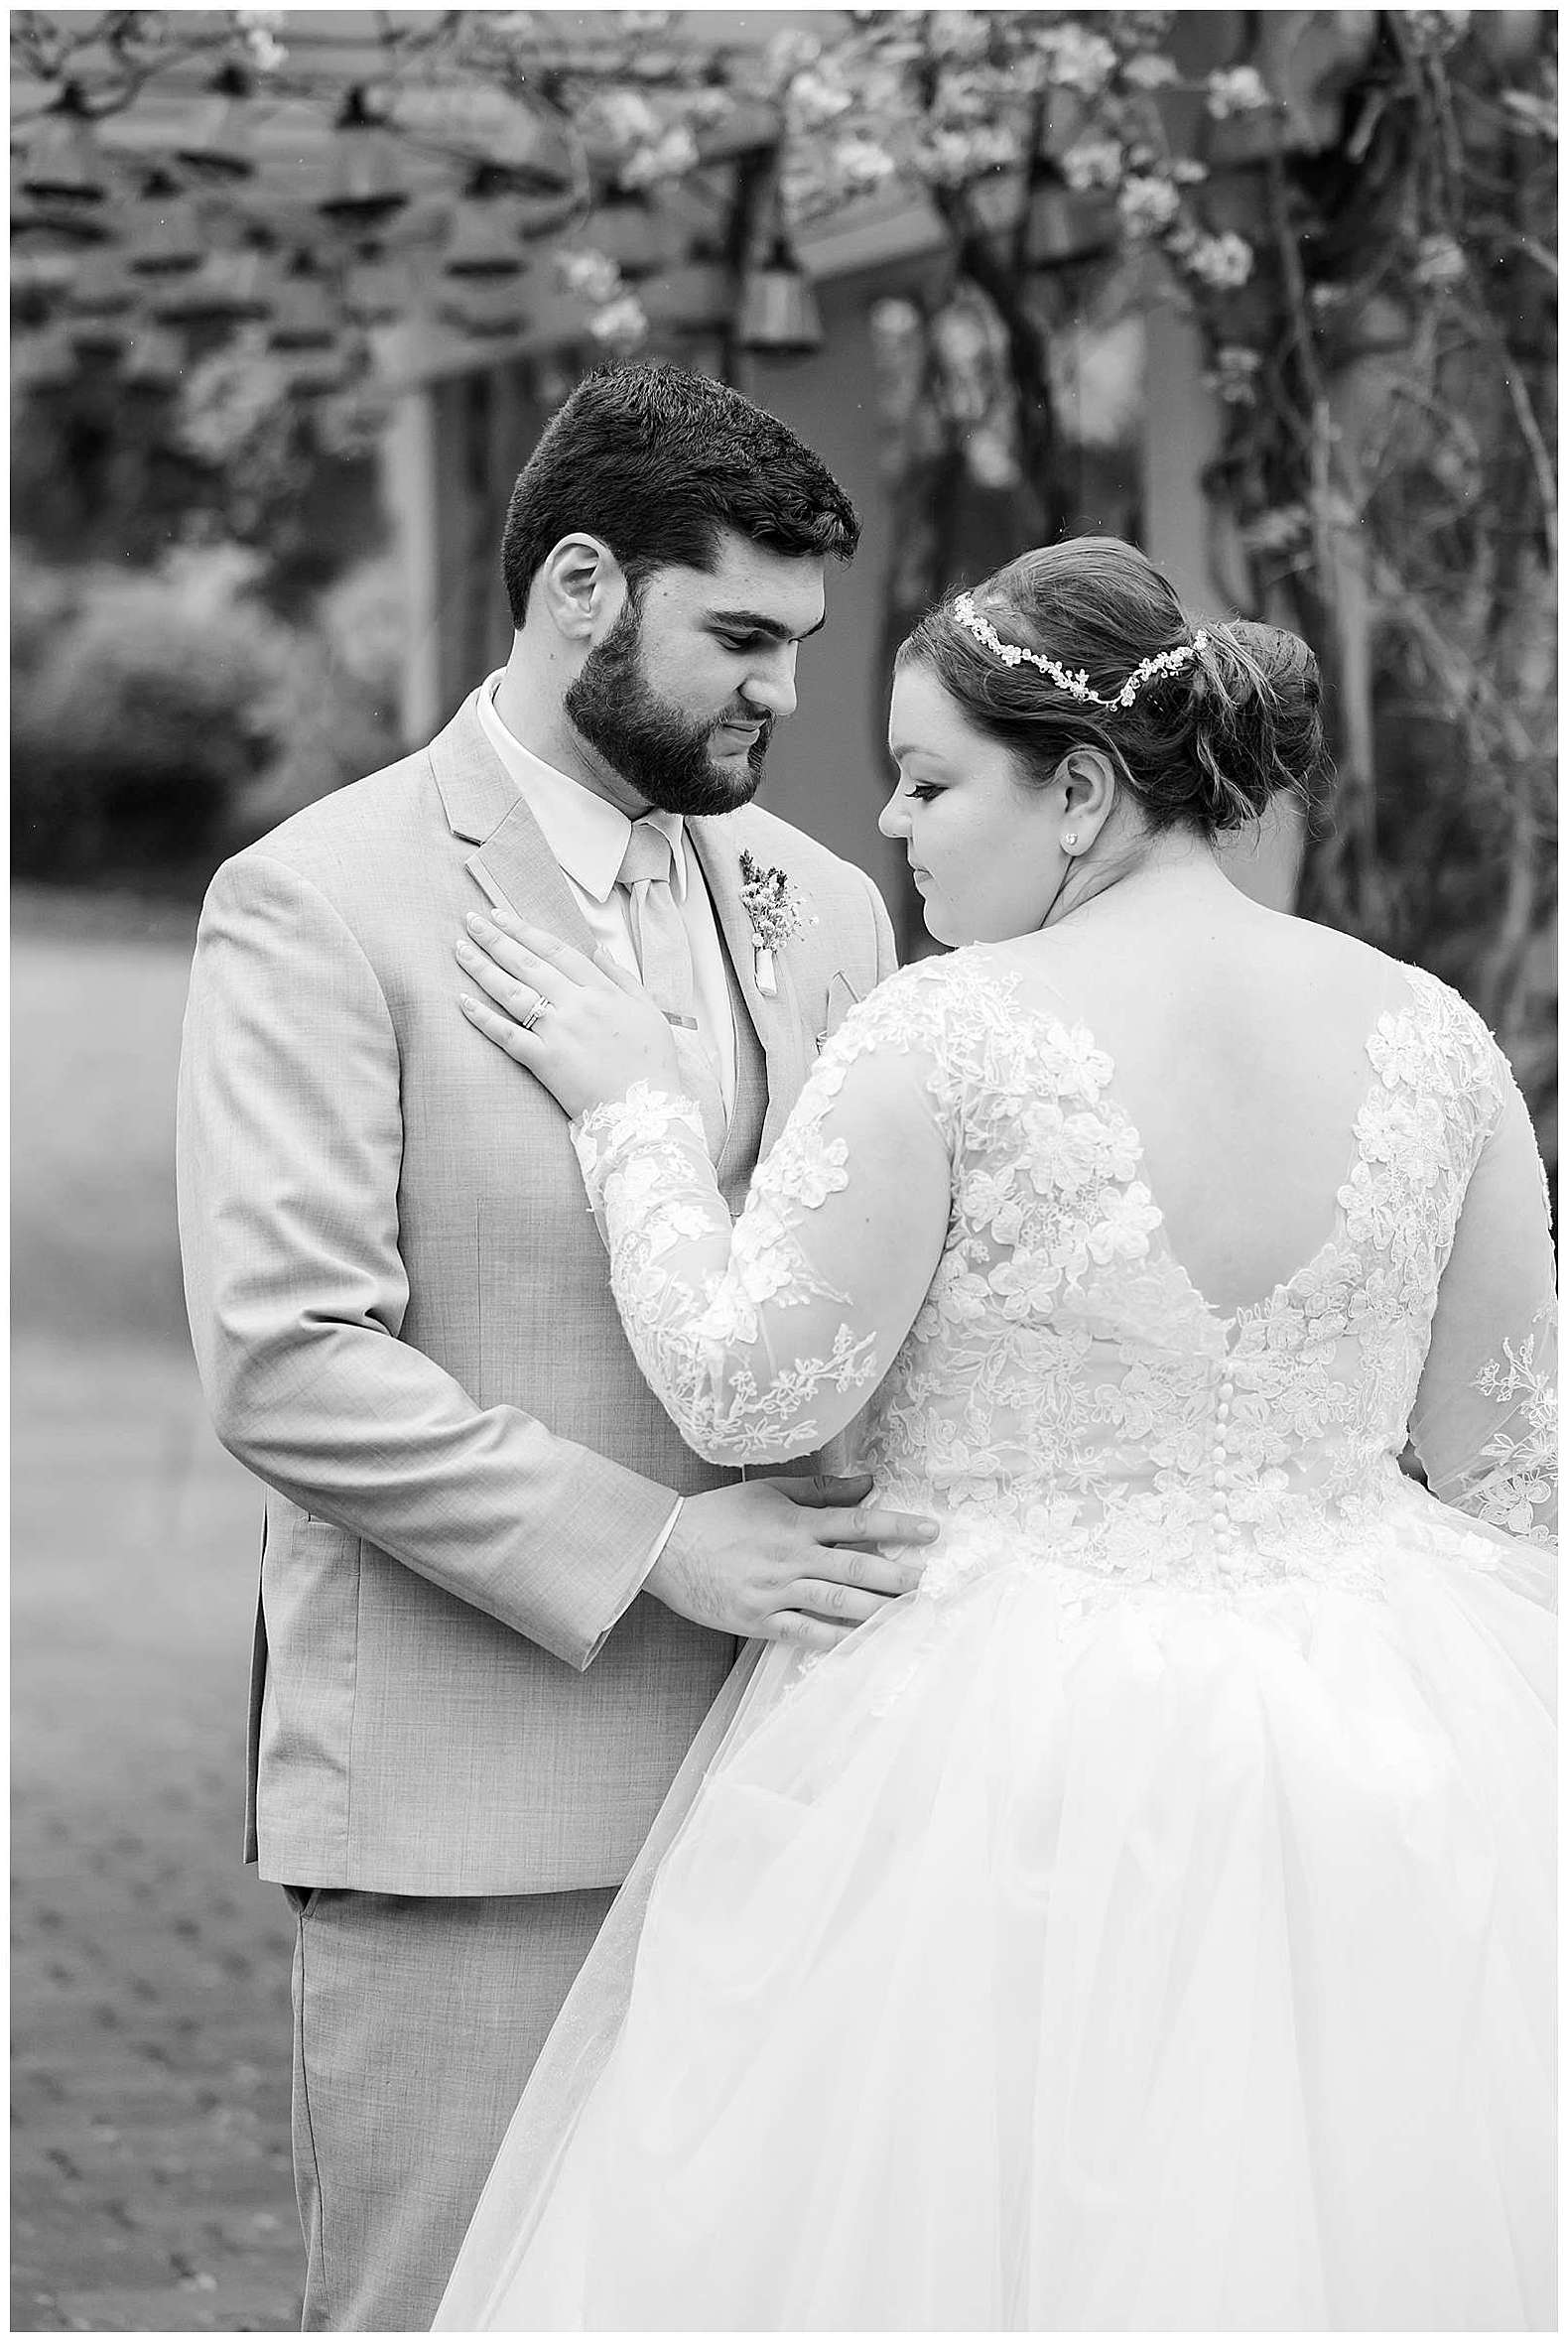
<point x="581" y="588"/>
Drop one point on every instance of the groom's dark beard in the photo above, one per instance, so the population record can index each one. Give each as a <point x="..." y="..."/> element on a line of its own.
<point x="656" y="751"/>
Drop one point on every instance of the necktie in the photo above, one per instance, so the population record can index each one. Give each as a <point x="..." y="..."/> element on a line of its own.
<point x="664" y="956"/>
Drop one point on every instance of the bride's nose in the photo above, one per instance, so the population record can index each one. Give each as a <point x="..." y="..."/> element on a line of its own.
<point x="893" y="820"/>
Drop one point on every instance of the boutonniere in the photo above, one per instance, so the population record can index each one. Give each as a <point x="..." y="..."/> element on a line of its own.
<point x="770" y="904"/>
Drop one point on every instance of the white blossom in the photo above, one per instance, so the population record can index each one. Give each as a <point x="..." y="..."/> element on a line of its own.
<point x="961" y="338"/>
<point x="1149" y="71"/>
<point x="790" y="54"/>
<point x="862" y="164"/>
<point x="670" y="156"/>
<point x="989" y="459"/>
<point x="815" y="99"/>
<point x="624" y="119"/>
<point x="1147" y="204"/>
<point x="1092" y="163"/>
<point x="1277" y="530"/>
<point x="1222" y="262"/>
<point x="259" y="27"/>
<point x="708" y="107"/>
<point x="1241" y="89"/>
<point x="1235" y="374"/>
<point x="954" y="157"/>
<point x="958" y="32"/>
<point x="623" y="325"/>
<point x="593" y="275"/>
<point x="1076" y="59"/>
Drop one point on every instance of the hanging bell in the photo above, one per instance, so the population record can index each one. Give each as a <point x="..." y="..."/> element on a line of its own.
<point x="166" y="238"/>
<point x="778" y="308"/>
<point x="376" y="290"/>
<point x="369" y="182"/>
<point x="484" y="243"/>
<point x="96" y="335"/>
<point x="100" y="288"/>
<point x="43" y="361"/>
<point x="65" y="161"/>
<point x="525" y="153"/>
<point x="38" y="278"/>
<point x="53" y="226"/>
<point x="487" y="310"/>
<point x="303" y="314"/>
<point x="220" y="146"/>
<point x="154" y="358"/>
<point x="227" y="290"/>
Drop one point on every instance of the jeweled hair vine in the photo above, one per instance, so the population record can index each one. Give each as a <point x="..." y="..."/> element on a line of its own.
<point x="1074" y="683"/>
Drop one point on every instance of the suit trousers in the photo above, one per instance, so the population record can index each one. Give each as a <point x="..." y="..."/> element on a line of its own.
<point x="417" y="2020"/>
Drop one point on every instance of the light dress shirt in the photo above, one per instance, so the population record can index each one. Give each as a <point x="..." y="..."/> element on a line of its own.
<point x="588" y="836"/>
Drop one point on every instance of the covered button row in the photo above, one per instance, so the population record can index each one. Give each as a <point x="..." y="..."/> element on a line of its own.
<point x="1224" y="1556"/>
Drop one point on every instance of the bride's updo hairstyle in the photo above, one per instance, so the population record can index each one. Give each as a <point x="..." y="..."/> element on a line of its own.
<point x="1234" y="719"/>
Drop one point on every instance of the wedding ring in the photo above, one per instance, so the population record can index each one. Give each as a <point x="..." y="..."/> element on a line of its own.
<point x="529" y="1022"/>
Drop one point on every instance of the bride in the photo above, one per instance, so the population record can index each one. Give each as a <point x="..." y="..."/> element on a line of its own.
<point x="1148" y="1923"/>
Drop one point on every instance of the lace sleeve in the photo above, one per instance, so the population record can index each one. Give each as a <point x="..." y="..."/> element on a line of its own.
<point x="765" y="1339"/>
<point x="1484" y="1423"/>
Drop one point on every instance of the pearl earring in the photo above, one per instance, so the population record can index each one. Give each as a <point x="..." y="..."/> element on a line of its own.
<point x="1069" y="841"/>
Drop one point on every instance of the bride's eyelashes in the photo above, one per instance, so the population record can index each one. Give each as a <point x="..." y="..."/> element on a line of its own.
<point x="919" y="792"/>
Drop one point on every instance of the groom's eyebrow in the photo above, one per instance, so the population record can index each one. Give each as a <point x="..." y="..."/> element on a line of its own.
<point x="753" y="622"/>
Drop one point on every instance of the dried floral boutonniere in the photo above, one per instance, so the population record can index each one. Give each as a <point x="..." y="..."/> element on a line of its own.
<point x="770" y="903"/>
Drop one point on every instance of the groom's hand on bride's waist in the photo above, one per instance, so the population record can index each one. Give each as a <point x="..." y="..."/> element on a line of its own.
<point x="789" y="1560"/>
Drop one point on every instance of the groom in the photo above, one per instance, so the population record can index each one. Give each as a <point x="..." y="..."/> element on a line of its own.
<point x="497" y="1592"/>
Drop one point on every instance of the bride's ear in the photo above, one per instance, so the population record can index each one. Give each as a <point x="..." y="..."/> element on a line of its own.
<point x="582" y="587"/>
<point x="1085" y="787"/>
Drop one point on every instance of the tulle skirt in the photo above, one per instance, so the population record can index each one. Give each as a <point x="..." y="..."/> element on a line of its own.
<point x="1041" y="1963"/>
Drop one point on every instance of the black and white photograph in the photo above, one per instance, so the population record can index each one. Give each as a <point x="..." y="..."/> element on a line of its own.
<point x="784" y="1125"/>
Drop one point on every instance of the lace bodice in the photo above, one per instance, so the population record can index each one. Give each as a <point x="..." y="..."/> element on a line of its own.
<point x="954" y="1226"/>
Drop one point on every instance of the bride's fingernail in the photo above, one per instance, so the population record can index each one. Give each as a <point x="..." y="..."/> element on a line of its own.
<point x="475" y="924"/>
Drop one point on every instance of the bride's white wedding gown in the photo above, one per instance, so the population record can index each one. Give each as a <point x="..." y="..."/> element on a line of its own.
<point x="1149" y="1925"/>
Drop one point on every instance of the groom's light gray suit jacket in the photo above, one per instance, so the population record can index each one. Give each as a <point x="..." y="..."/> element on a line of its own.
<point x="403" y="1321"/>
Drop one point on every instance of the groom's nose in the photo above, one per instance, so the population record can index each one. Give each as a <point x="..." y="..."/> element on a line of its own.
<point x="770" y="686"/>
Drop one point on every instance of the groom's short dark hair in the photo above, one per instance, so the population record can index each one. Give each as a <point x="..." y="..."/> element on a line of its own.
<point x="657" y="461"/>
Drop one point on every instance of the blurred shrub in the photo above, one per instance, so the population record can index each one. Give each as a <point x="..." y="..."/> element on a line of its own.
<point x="333" y="713"/>
<point x="161" y="717"/>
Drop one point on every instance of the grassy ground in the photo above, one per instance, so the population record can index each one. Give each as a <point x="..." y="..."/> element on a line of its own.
<point x="150" y="2180"/>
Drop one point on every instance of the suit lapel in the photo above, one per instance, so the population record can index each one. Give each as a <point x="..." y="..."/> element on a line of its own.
<point x="779" y="1022"/>
<point x="514" y="868"/>
<point x="518" y="871"/>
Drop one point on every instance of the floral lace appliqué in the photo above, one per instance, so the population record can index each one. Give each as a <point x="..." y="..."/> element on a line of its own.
<point x="1065" y="1398"/>
<point x="1514" y="1479"/>
<point x="648" y="1178"/>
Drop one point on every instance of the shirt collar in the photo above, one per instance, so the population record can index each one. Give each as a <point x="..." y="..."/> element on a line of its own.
<point x="585" y="832"/>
